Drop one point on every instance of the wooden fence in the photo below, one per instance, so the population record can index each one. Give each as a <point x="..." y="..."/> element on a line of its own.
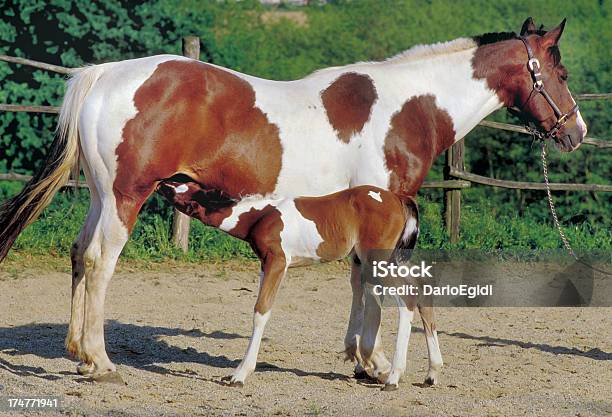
<point x="455" y="176"/>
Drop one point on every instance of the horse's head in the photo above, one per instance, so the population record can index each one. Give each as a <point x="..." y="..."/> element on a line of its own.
<point x="539" y="91"/>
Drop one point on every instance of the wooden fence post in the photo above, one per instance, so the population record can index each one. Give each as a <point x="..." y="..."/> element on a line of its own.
<point x="180" y="223"/>
<point x="452" y="197"/>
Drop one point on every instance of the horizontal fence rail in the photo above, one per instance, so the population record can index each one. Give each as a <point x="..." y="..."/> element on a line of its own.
<point x="36" y="64"/>
<point x="456" y="178"/>
<point x="478" y="179"/>
<point x="11" y="176"/>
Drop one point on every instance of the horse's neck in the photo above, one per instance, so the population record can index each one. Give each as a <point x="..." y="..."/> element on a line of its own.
<point x="450" y="79"/>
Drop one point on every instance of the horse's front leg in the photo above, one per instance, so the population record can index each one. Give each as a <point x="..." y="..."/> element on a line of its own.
<point x="273" y="271"/>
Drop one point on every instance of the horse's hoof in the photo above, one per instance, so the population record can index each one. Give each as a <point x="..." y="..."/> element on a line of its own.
<point x="361" y="375"/>
<point x="109" y="378"/>
<point x="430" y="381"/>
<point x="390" y="387"/>
<point x="236" y="384"/>
<point x="85" y="369"/>
<point x="382" y="377"/>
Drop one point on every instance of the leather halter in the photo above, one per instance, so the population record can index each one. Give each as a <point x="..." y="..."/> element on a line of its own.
<point x="538" y="86"/>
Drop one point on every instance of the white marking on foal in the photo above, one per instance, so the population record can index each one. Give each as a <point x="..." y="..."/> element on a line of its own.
<point x="410" y="229"/>
<point x="404" y="327"/>
<point x="435" y="358"/>
<point x="181" y="188"/>
<point x="299" y="237"/>
<point x="250" y="359"/>
<point x="376" y="196"/>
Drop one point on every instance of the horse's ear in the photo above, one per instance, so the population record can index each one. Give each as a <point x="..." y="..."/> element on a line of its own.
<point x="551" y="37"/>
<point x="528" y="26"/>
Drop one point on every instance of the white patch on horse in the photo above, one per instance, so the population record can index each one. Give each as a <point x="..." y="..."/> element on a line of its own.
<point x="410" y="229"/>
<point x="181" y="188"/>
<point x="256" y="202"/>
<point x="299" y="237"/>
<point x="581" y="124"/>
<point x="375" y="195"/>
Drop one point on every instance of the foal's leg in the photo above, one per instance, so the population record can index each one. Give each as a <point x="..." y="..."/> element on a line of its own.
<point x="351" y="340"/>
<point x="401" y="347"/>
<point x="274" y="269"/>
<point x="370" y="346"/>
<point x="433" y="346"/>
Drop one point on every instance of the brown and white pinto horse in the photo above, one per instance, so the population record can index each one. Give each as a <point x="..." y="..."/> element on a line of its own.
<point x="296" y="231"/>
<point x="135" y="123"/>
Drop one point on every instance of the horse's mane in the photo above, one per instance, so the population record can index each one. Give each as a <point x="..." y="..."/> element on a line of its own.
<point x="419" y="52"/>
<point x="424" y="51"/>
<point x="493" y="37"/>
<point x="488" y="38"/>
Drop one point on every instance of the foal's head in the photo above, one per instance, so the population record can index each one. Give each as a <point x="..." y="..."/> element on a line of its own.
<point x="184" y="196"/>
<point x="533" y="82"/>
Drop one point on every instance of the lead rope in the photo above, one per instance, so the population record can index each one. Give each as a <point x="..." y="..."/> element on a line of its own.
<point x="551" y="204"/>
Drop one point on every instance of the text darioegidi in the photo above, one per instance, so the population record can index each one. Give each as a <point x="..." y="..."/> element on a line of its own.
<point x="463" y="290"/>
<point x="384" y="269"/>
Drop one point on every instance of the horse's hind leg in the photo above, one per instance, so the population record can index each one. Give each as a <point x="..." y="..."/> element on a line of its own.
<point x="77" y="311"/>
<point x="433" y="346"/>
<point x="401" y="346"/>
<point x="118" y="215"/>
<point x="370" y="346"/>
<point x="351" y="340"/>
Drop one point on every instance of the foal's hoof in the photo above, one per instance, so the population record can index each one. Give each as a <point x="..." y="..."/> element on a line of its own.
<point x="430" y="380"/>
<point x="361" y="375"/>
<point x="382" y="377"/>
<point x="109" y="378"/>
<point x="236" y="384"/>
<point x="390" y="387"/>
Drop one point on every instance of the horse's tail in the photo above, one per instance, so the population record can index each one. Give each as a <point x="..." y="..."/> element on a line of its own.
<point x="407" y="240"/>
<point x="21" y="210"/>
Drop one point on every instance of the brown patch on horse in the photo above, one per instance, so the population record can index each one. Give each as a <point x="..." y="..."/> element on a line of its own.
<point x="419" y="132"/>
<point x="200" y="121"/>
<point x="348" y="102"/>
<point x="486" y="65"/>
<point x="344" y="226"/>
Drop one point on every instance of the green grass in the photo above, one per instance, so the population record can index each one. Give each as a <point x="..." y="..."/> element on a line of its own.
<point x="483" y="226"/>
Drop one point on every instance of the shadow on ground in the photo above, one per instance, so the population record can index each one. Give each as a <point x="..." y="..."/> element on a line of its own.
<point x="594" y="353"/>
<point x="139" y="346"/>
<point x="143" y="347"/>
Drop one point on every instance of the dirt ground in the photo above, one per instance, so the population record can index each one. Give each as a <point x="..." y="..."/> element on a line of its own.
<point x="174" y="333"/>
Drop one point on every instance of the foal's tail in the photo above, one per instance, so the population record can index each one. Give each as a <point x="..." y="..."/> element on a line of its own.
<point x="407" y="240"/>
<point x="25" y="207"/>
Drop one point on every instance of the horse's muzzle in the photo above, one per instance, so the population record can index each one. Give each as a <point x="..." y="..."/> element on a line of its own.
<point x="570" y="138"/>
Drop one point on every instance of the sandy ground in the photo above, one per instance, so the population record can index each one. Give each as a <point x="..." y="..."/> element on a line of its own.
<point x="174" y="334"/>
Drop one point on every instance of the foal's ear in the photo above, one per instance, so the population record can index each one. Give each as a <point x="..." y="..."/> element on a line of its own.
<point x="528" y="26"/>
<point x="551" y="37"/>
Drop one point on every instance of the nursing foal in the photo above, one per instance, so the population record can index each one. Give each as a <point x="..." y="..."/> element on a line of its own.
<point x="290" y="232"/>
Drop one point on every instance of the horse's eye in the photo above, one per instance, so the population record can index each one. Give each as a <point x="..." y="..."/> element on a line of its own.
<point x="563" y="77"/>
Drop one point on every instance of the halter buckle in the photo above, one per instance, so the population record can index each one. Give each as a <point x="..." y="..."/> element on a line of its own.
<point x="534" y="65"/>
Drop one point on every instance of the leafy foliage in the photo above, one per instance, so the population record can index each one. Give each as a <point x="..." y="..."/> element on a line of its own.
<point x="289" y="42"/>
